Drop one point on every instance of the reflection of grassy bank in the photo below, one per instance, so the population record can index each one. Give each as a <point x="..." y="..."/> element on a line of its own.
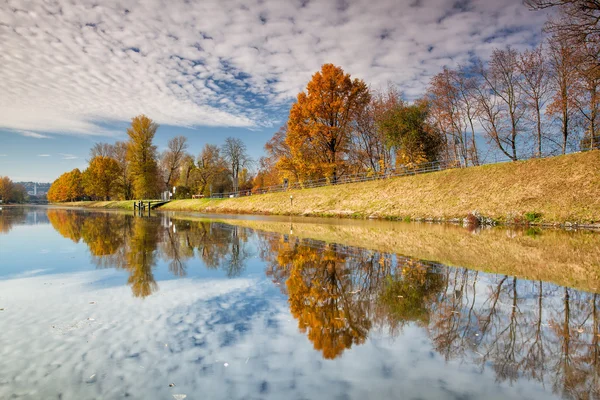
<point x="553" y="190"/>
<point x="119" y="205"/>
<point x="566" y="258"/>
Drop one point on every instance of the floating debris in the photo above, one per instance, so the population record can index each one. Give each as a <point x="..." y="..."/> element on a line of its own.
<point x="171" y="384"/>
<point x="179" y="396"/>
<point x="226" y="365"/>
<point x="91" y="302"/>
<point x="91" y="319"/>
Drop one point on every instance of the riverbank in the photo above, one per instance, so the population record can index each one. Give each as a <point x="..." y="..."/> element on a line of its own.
<point x="566" y="258"/>
<point x="563" y="190"/>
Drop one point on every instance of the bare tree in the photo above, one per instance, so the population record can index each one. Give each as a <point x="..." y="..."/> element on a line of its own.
<point x="172" y="159"/>
<point x="563" y="75"/>
<point x="102" y="150"/>
<point x="578" y="19"/>
<point x="210" y="164"/>
<point x="536" y="87"/>
<point x="502" y="101"/>
<point x="234" y="151"/>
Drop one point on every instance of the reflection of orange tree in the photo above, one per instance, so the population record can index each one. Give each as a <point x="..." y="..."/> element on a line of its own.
<point x="337" y="293"/>
<point x="320" y="297"/>
<point x="67" y="223"/>
<point x="11" y="217"/>
<point x="102" y="233"/>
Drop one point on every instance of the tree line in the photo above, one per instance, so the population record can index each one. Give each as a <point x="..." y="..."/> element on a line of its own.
<point x="11" y="192"/>
<point x="541" y="101"/>
<point x="134" y="169"/>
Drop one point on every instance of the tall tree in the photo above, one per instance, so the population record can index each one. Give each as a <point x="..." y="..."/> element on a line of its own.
<point x="102" y="150"/>
<point x="141" y="155"/>
<point x="210" y="164"/>
<point x="321" y="121"/>
<point x="563" y="75"/>
<point x="501" y="100"/>
<point x="578" y="19"/>
<point x="535" y="85"/>
<point x="446" y="101"/>
<point x="125" y="182"/>
<point x="234" y="151"/>
<point x="172" y="159"/>
<point x="368" y="150"/>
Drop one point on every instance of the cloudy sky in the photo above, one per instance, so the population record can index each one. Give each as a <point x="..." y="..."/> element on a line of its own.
<point x="74" y="72"/>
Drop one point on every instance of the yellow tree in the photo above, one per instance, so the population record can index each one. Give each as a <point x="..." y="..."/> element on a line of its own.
<point x="101" y="177"/>
<point x="141" y="155"/>
<point x="322" y="119"/>
<point x="6" y="188"/>
<point x="68" y="187"/>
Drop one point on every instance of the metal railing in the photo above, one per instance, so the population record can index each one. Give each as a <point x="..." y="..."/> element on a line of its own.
<point x="399" y="171"/>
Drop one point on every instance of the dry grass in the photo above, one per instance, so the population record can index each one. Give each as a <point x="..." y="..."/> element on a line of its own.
<point x="560" y="189"/>
<point x="121" y="205"/>
<point x="566" y="258"/>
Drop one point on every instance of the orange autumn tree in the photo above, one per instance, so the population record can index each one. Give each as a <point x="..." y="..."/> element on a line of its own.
<point x="68" y="187"/>
<point x="321" y="122"/>
<point x="100" y="178"/>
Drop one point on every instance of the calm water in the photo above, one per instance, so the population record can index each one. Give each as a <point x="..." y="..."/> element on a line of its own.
<point x="108" y="305"/>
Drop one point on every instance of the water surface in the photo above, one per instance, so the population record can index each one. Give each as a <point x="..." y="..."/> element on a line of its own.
<point x="112" y="305"/>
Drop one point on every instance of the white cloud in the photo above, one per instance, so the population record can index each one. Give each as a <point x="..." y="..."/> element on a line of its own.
<point x="2" y="155"/>
<point x="43" y="155"/>
<point x="66" y="156"/>
<point x="78" y="66"/>
<point x="33" y="135"/>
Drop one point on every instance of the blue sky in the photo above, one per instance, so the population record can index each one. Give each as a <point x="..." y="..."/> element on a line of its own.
<point x="75" y="72"/>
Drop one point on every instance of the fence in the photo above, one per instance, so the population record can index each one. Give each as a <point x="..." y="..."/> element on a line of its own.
<point x="403" y="170"/>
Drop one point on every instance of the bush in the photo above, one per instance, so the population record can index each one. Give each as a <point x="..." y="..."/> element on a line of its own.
<point x="533" y="217"/>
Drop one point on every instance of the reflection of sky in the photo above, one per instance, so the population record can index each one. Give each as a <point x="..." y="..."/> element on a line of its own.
<point x="55" y="341"/>
<point x="70" y="330"/>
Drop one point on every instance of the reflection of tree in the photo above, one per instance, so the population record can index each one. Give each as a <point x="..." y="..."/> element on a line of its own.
<point x="117" y="240"/>
<point x="10" y="217"/>
<point x="519" y="329"/>
<point x="67" y="223"/>
<point x="142" y="258"/>
<point x="337" y="293"/>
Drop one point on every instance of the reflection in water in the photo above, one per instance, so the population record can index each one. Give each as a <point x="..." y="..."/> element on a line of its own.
<point x="340" y="294"/>
<point x="16" y="216"/>
<point x="134" y="244"/>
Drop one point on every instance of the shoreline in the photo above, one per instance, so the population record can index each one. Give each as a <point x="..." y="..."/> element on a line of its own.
<point x="562" y="191"/>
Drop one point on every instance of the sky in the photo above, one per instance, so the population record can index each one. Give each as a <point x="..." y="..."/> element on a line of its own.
<point x="74" y="72"/>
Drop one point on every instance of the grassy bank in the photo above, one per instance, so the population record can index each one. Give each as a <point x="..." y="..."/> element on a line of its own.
<point x="565" y="258"/>
<point x="553" y="190"/>
<point x="116" y="205"/>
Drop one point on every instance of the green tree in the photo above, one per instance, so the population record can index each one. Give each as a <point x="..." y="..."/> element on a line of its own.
<point x="141" y="155"/>
<point x="406" y="128"/>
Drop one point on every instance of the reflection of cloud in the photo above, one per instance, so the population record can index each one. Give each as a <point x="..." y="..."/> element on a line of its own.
<point x="185" y="335"/>
<point x="43" y="155"/>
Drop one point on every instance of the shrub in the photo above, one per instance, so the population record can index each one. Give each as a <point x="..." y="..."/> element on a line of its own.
<point x="533" y="217"/>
